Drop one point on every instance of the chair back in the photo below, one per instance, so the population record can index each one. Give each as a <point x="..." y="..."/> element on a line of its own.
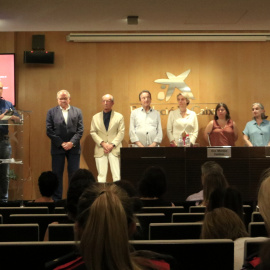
<point x="197" y="209"/>
<point x="7" y="211"/>
<point x="173" y="231"/>
<point x="256" y="229"/>
<point x="193" y="254"/>
<point x="19" y="232"/>
<point x="43" y="220"/>
<point x="146" y="218"/>
<point x="32" y="255"/>
<point x="61" y="232"/>
<point x="256" y="217"/>
<point x="166" y="210"/>
<point x="187" y="217"/>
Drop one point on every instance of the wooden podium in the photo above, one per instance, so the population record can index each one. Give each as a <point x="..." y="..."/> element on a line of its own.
<point x="182" y="165"/>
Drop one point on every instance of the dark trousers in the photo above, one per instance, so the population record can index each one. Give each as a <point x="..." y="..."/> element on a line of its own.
<point x="58" y="165"/>
<point x="5" y="153"/>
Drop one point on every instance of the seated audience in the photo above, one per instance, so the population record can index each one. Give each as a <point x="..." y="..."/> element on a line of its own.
<point x="211" y="182"/>
<point x="105" y="221"/>
<point x="230" y="198"/>
<point x="47" y="183"/>
<point x="152" y="186"/>
<point x="223" y="223"/>
<point x="265" y="256"/>
<point x="264" y="206"/>
<point x="206" y="168"/>
<point x="264" y="202"/>
<point x="80" y="181"/>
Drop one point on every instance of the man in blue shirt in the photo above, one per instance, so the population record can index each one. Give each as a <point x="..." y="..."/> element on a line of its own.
<point x="5" y="148"/>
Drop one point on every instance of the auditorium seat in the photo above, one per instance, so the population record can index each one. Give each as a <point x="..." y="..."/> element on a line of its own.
<point x="19" y="232"/>
<point x="11" y="204"/>
<point x="197" y="209"/>
<point x="60" y="210"/>
<point x="50" y="205"/>
<point x="194" y="254"/>
<point x="171" y="231"/>
<point x="7" y="211"/>
<point x="42" y="219"/>
<point x="248" y="209"/>
<point x="32" y="255"/>
<point x="252" y="246"/>
<point x="61" y="232"/>
<point x="256" y="229"/>
<point x="187" y="217"/>
<point x="167" y="210"/>
<point x="256" y="217"/>
<point x="146" y="218"/>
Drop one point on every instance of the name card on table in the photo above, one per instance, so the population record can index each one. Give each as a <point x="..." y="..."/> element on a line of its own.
<point x="219" y="152"/>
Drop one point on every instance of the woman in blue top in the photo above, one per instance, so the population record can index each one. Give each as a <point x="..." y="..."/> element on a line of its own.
<point x="257" y="131"/>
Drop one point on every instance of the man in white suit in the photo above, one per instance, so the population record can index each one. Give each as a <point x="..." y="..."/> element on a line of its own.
<point x="107" y="131"/>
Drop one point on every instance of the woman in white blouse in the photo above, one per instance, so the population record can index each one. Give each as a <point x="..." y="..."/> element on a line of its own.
<point x="182" y="122"/>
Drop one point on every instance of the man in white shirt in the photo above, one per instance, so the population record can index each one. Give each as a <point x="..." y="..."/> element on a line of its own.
<point x="107" y="131"/>
<point x="145" y="125"/>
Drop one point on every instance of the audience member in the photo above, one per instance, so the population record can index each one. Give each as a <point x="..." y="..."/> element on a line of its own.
<point x="264" y="202"/>
<point x="47" y="183"/>
<point x="152" y="187"/>
<point x="265" y="256"/>
<point x="104" y="224"/>
<point x="264" y="206"/>
<point x="230" y="198"/>
<point x="79" y="182"/>
<point x="132" y="193"/>
<point x="211" y="182"/>
<point x="206" y="168"/>
<point x="223" y="223"/>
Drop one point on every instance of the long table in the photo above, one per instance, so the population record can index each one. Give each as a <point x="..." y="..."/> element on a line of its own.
<point x="183" y="168"/>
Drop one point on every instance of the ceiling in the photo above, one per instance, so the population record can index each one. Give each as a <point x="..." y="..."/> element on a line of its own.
<point x="154" y="15"/>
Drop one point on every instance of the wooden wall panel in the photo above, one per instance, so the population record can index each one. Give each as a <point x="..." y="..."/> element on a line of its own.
<point x="236" y="73"/>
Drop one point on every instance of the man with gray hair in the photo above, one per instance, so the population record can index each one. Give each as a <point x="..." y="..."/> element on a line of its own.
<point x="107" y="131"/>
<point x="207" y="167"/>
<point x="64" y="125"/>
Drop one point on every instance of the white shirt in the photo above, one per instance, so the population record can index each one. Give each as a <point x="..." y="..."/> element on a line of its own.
<point x="65" y="113"/>
<point x="145" y="127"/>
<point x="177" y="124"/>
<point x="195" y="196"/>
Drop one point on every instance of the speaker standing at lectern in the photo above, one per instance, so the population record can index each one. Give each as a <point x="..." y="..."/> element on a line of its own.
<point x="5" y="147"/>
<point x="145" y="125"/>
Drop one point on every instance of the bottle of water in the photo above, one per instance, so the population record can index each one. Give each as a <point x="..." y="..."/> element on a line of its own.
<point x="180" y="141"/>
<point x="187" y="141"/>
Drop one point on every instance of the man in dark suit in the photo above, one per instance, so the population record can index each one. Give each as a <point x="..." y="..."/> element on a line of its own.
<point x="64" y="126"/>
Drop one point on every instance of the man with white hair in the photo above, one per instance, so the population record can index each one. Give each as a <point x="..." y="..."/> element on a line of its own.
<point x="107" y="131"/>
<point x="64" y="125"/>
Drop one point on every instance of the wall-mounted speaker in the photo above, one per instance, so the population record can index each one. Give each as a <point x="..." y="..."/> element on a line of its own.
<point x="38" y="57"/>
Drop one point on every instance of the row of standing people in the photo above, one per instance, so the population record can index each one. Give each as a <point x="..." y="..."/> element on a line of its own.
<point x="64" y="125"/>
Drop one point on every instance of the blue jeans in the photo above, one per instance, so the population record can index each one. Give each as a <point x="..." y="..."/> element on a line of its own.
<point x="5" y="153"/>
